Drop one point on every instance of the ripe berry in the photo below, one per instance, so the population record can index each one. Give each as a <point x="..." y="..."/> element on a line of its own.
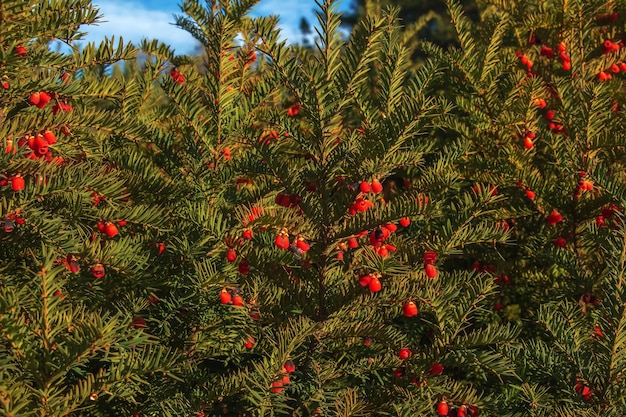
<point x="530" y="194"/>
<point x="364" y="280"/>
<point x="302" y="244"/>
<point x="50" y="137"/>
<point x="34" y="98"/>
<point x="282" y="241"/>
<point x="231" y="255"/>
<point x="436" y="369"/>
<point x="21" y="51"/>
<point x="462" y="411"/>
<point x="409" y="309"/>
<point x="374" y="285"/>
<point x="225" y="297"/>
<point x="404" y="353"/>
<point x="560" y="242"/>
<point x="364" y="187"/>
<point x="353" y="243"/>
<point x="139" y="323"/>
<point x="277" y="386"/>
<point x="244" y="268"/>
<point x="377" y="187"/>
<point x="98" y="271"/>
<point x="110" y="229"/>
<point x="431" y="271"/>
<point x="237" y="300"/>
<point x="249" y="343"/>
<point x="405" y="222"/>
<point x="554" y="217"/>
<point x="528" y="143"/>
<point x="290" y="366"/>
<point x="247" y="234"/>
<point x="44" y="98"/>
<point x="442" y="408"/>
<point x="40" y="145"/>
<point x="430" y="257"/>
<point x="17" y="183"/>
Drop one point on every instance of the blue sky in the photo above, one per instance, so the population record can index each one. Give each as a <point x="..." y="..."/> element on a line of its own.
<point x="137" y="19"/>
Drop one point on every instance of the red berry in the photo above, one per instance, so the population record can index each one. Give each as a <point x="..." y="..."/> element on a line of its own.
<point x="530" y="194"/>
<point x="462" y="411"/>
<point x="17" y="183"/>
<point x="473" y="411"/>
<point x="34" y="98"/>
<point x="405" y="222"/>
<point x="110" y="229"/>
<point x="404" y="353"/>
<point x="290" y="366"/>
<point x="550" y="114"/>
<point x="528" y="143"/>
<point x="231" y="255"/>
<point x="244" y="268"/>
<point x="374" y="285"/>
<point x="560" y="242"/>
<point x="21" y="51"/>
<point x="225" y="297"/>
<point x="247" y="234"/>
<point x="554" y="217"/>
<point x="249" y="343"/>
<point x="237" y="300"/>
<point x="364" y="187"/>
<point x="40" y="145"/>
<point x="430" y="257"/>
<point x="377" y="187"/>
<point x="139" y="323"/>
<point x="409" y="309"/>
<point x="302" y="245"/>
<point x="442" y="408"/>
<point x="44" y="98"/>
<point x="431" y="271"/>
<point x="353" y="243"/>
<point x="277" y="386"/>
<point x="436" y="369"/>
<point x="364" y="280"/>
<point x="282" y="241"/>
<point x="98" y="271"/>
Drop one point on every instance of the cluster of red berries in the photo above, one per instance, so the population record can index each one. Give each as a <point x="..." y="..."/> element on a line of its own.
<point x="70" y="262"/>
<point x="464" y="410"/>
<point x="288" y="368"/>
<point x="554" y="217"/>
<point x="287" y="200"/>
<point x="17" y="182"/>
<point x="584" y="390"/>
<point x="15" y="218"/>
<point x="107" y="228"/>
<point x="372" y="281"/>
<point x="293" y="110"/>
<point x="231" y="296"/>
<point x="608" y="215"/>
<point x="177" y="76"/>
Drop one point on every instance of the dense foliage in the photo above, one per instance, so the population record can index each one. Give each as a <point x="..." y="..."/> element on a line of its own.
<point x="272" y="229"/>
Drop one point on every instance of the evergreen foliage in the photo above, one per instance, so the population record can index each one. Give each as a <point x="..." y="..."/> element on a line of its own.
<point x="273" y="229"/>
